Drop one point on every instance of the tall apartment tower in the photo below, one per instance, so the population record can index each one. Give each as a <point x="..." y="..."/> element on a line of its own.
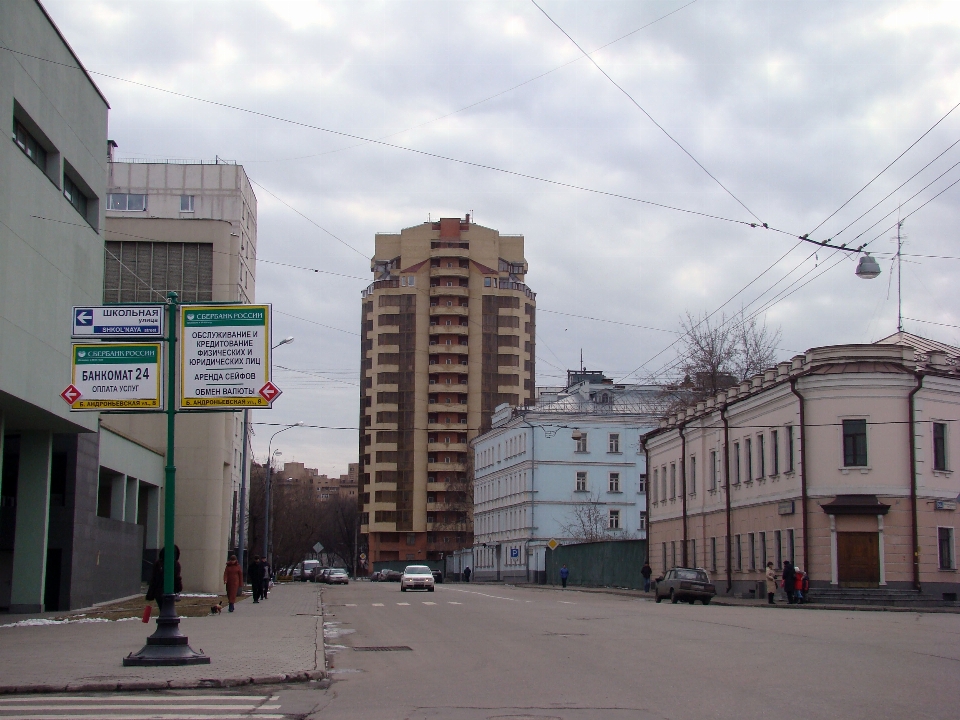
<point x="448" y="330"/>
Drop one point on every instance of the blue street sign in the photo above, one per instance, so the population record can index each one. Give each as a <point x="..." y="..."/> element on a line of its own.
<point x="119" y="321"/>
<point x="514" y="552"/>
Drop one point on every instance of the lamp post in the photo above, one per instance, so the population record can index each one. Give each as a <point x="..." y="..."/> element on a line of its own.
<point x="244" y="472"/>
<point x="266" y="511"/>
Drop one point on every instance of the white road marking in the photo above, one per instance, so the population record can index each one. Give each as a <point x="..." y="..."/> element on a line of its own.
<point x="566" y="602"/>
<point x="407" y="604"/>
<point x="474" y="592"/>
<point x="350" y="605"/>
<point x="428" y="603"/>
<point x="378" y="604"/>
<point x="451" y="602"/>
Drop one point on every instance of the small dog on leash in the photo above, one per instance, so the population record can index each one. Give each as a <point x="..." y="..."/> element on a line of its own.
<point x="216" y="609"/>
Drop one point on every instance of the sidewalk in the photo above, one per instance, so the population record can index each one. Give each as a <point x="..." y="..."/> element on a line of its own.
<point x="730" y="601"/>
<point x="276" y="640"/>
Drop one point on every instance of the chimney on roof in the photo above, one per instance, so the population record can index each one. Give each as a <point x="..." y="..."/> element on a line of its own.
<point x="111" y="146"/>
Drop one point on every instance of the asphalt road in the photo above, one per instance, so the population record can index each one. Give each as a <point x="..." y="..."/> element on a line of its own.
<point x="487" y="651"/>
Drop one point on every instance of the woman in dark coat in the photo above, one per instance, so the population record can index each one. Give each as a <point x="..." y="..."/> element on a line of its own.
<point x="155" y="589"/>
<point x="789" y="580"/>
<point x="233" y="579"/>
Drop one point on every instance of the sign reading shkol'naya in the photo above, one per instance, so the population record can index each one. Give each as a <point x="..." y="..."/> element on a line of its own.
<point x="118" y="321"/>
<point x="115" y="376"/>
<point x="225" y="356"/>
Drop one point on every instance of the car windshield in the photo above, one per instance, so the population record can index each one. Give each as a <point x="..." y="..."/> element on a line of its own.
<point x="338" y="571"/>
<point x="691" y="575"/>
<point x="417" y="570"/>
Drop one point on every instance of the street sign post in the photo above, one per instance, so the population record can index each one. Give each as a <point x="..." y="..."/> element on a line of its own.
<point x="553" y="544"/>
<point x="225" y="357"/>
<point x="118" y="321"/>
<point x="113" y="376"/>
<point x="317" y="548"/>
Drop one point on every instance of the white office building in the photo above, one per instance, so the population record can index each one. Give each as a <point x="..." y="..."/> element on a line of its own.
<point x="569" y="468"/>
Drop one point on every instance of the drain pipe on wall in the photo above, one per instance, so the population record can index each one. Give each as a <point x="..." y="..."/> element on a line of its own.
<point x="683" y="487"/>
<point x="913" y="481"/>
<point x="726" y="490"/>
<point x="533" y="500"/>
<point x="803" y="474"/>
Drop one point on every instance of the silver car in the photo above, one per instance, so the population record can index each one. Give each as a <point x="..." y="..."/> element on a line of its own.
<point x="417" y="577"/>
<point x="690" y="584"/>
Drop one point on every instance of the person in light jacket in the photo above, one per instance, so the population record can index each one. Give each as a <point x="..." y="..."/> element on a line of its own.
<point x="771" y="583"/>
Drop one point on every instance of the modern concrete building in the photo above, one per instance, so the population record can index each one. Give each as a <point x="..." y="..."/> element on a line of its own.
<point x="569" y="468"/>
<point x="77" y="503"/>
<point x="841" y="461"/>
<point x="448" y="332"/>
<point x="189" y="227"/>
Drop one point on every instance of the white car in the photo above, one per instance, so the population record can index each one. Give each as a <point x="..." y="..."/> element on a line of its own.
<point x="417" y="577"/>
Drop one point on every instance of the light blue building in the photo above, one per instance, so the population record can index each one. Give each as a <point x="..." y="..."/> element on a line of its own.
<point x="569" y="469"/>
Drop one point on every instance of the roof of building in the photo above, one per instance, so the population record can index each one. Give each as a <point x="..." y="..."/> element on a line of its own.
<point x="920" y="344"/>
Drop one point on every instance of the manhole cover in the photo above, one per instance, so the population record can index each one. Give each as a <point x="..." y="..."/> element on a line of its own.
<point x="383" y="648"/>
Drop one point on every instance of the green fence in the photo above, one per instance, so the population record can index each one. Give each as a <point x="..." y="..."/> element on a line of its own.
<point x="598" y="564"/>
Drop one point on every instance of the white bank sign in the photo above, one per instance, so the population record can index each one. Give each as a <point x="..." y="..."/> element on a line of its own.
<point x="225" y="356"/>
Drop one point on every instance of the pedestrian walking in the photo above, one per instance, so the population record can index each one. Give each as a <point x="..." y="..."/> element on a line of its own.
<point x="233" y="579"/>
<point x="155" y="588"/>
<point x="267" y="579"/>
<point x="805" y="586"/>
<point x="646" y="571"/>
<point x="255" y="576"/>
<point x="798" y="585"/>
<point x="564" y="574"/>
<point x="771" y="583"/>
<point x="466" y="574"/>
<point x="789" y="581"/>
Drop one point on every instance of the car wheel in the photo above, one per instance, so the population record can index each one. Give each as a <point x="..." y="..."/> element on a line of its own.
<point x="431" y="589"/>
<point x="402" y="589"/>
<point x="673" y="598"/>
<point x="692" y="600"/>
<point x="657" y="598"/>
<point x="706" y="601"/>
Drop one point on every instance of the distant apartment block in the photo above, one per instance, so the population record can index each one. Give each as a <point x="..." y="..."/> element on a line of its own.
<point x="448" y="333"/>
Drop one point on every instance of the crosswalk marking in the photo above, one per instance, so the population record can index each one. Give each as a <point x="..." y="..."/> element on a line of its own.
<point x="147" y="706"/>
<point x="428" y="603"/>
<point x="407" y="604"/>
<point x="378" y="604"/>
<point x="451" y="602"/>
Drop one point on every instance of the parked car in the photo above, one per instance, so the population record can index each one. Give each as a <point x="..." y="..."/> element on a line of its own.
<point x="390" y="576"/>
<point x="437" y="576"/>
<point x="417" y="577"/>
<point x="375" y="576"/>
<point x="337" y="576"/>
<point x="690" y="584"/>
<point x="306" y="569"/>
<point x="297" y="573"/>
<point x="320" y="575"/>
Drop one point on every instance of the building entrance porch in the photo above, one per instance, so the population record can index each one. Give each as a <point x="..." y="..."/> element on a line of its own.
<point x="858" y="559"/>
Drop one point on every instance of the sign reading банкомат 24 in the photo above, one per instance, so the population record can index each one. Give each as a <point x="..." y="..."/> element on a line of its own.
<point x="115" y="376"/>
<point x="225" y="356"/>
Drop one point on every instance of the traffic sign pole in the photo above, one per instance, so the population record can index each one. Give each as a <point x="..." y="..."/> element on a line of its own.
<point x="168" y="646"/>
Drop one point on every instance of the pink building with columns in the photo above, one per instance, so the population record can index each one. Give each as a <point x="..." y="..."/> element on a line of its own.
<point x="842" y="460"/>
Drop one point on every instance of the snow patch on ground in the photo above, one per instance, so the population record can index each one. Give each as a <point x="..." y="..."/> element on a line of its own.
<point x="37" y="622"/>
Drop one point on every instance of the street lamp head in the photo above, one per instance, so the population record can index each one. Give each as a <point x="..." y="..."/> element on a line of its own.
<point x="867" y="268"/>
<point x="299" y="423"/>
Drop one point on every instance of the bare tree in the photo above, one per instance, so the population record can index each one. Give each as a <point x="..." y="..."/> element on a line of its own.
<point x="718" y="353"/>
<point x="588" y="521"/>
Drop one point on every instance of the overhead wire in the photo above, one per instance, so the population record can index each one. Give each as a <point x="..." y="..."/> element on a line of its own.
<point x="644" y="111"/>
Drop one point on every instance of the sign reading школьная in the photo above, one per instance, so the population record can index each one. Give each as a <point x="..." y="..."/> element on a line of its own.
<point x="224" y="356"/>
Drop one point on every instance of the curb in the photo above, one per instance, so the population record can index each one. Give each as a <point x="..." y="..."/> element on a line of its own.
<point x="142" y="685"/>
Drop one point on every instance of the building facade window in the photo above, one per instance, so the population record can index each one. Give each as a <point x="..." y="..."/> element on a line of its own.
<point x="613" y="444"/>
<point x="664" y="546"/>
<point x="126" y="202"/>
<point x="778" y="542"/>
<point x="945" y="548"/>
<point x="693" y="553"/>
<point x="186" y="203"/>
<point x="791" y="546"/>
<point x="739" y="551"/>
<point x="673" y="481"/>
<point x="752" y="550"/>
<point x="789" y="431"/>
<point x="29" y="145"/>
<point x="775" y="451"/>
<point x="614" y="482"/>
<point x="713" y="469"/>
<point x="581" y="482"/>
<point x="663" y="483"/>
<point x="748" y="456"/>
<point x="854" y="443"/>
<point x="75" y="196"/>
<point x="613" y="520"/>
<point x="642" y="483"/>
<point x="736" y="463"/>
<point x="939" y="446"/>
<point x="642" y="521"/>
<point x="582" y="443"/>
<point x="762" y="539"/>
<point x="673" y="553"/>
<point x="693" y="474"/>
<point x="761" y="457"/>
<point x="713" y="554"/>
<point x="654" y="487"/>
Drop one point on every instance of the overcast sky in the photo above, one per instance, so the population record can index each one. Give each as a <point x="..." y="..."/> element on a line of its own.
<point x="792" y="107"/>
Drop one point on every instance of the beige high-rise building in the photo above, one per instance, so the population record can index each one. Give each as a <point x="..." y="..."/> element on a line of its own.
<point x="448" y="332"/>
